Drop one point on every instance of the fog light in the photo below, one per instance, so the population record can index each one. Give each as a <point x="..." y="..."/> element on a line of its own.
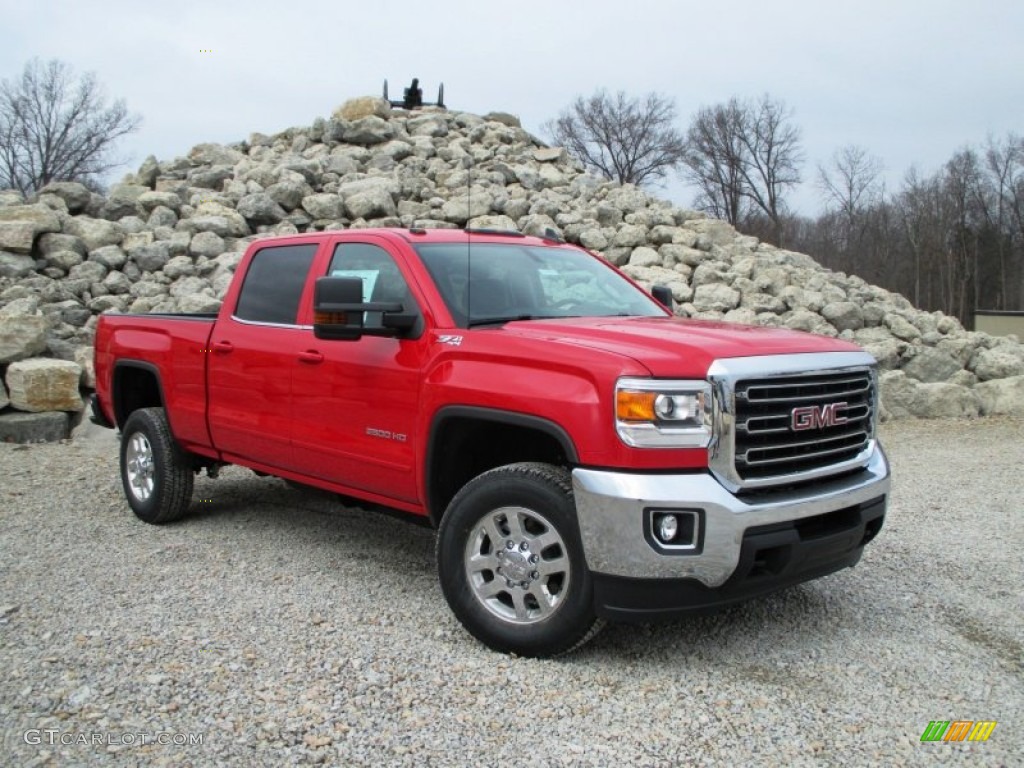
<point x="667" y="526"/>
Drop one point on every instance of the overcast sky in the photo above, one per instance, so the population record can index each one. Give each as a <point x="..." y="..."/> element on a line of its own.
<point x="910" y="80"/>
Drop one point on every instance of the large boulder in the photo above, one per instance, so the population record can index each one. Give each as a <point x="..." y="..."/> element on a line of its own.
<point x="95" y="233"/>
<point x="22" y="336"/>
<point x="364" y="106"/>
<point x="21" y="224"/>
<point x="260" y="208"/>
<point x="75" y="195"/>
<point x="16" y="265"/>
<point x="40" y="384"/>
<point x="47" y="427"/>
<point x="1002" y="396"/>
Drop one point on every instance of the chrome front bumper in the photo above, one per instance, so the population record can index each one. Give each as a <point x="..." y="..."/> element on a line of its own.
<point x="611" y="507"/>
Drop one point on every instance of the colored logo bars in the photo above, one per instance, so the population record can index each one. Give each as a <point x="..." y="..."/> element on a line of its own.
<point x="958" y="730"/>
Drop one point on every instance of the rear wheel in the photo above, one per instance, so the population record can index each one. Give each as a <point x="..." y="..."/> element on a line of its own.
<point x="156" y="474"/>
<point x="511" y="565"/>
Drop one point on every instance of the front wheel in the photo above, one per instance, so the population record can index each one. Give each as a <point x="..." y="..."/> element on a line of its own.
<point x="155" y="472"/>
<point x="511" y="565"/>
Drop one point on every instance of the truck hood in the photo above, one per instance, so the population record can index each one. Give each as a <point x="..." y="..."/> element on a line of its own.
<point x="672" y="346"/>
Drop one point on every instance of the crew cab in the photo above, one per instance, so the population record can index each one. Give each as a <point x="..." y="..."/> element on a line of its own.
<point x="584" y="454"/>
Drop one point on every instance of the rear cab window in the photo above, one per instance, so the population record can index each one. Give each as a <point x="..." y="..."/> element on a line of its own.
<point x="273" y="284"/>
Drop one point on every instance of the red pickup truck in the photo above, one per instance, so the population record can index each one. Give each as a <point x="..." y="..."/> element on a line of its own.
<point x="583" y="454"/>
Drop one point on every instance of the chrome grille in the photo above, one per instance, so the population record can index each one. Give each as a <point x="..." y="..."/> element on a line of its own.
<point x="792" y="425"/>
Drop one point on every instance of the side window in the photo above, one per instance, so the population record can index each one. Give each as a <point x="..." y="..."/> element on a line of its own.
<point x="382" y="280"/>
<point x="273" y="285"/>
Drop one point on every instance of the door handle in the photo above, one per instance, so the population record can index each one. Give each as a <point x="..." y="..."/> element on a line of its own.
<point x="224" y="347"/>
<point x="311" y="356"/>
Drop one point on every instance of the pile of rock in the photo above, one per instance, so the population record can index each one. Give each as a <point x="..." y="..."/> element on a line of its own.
<point x="169" y="237"/>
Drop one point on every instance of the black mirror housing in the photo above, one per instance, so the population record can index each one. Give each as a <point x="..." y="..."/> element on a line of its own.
<point x="338" y="312"/>
<point x="663" y="295"/>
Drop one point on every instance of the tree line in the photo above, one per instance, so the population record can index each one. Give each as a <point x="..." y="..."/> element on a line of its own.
<point x="952" y="240"/>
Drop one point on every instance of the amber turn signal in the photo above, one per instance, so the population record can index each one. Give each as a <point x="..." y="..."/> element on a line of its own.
<point x="634" y="406"/>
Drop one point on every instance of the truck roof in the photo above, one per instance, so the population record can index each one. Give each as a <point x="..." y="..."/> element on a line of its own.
<point x="416" y="235"/>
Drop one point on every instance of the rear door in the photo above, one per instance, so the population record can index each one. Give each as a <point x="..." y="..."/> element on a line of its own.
<point x="252" y="355"/>
<point x="355" y="402"/>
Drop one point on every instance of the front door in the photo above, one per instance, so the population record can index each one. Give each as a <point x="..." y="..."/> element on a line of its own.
<point x="354" y="403"/>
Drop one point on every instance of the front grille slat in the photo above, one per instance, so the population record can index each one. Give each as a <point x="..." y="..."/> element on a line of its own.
<point x="788" y="425"/>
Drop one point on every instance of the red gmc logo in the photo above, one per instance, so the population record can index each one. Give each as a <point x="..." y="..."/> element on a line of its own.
<point x="817" y="417"/>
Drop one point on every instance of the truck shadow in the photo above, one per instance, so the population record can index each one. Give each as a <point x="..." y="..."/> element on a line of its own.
<point x="330" y="545"/>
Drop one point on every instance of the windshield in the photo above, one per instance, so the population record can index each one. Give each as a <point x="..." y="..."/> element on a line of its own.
<point x="503" y="282"/>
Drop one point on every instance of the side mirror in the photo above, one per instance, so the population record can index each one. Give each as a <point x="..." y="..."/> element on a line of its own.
<point x="338" y="308"/>
<point x="338" y="311"/>
<point x="663" y="295"/>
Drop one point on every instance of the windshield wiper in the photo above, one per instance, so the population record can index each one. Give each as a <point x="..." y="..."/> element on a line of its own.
<point x="499" y="320"/>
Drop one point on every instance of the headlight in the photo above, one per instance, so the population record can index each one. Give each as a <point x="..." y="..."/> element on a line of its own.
<point x="652" y="413"/>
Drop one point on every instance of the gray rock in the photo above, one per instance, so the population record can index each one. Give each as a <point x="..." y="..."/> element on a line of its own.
<point x="549" y="154"/>
<point x="844" y="315"/>
<point x="260" y="208"/>
<point x="116" y="283"/>
<point x="208" y="244"/>
<point x="16" y="265"/>
<point x="123" y="200"/>
<point x="33" y="427"/>
<point x="91" y="271"/>
<point x="594" y="239"/>
<point x="152" y="258"/>
<point x="94" y="233"/>
<point x="210" y="178"/>
<point x="1002" y="396"/>
<point x="630" y="236"/>
<point x="41" y="384"/>
<point x="645" y="257"/>
<point x="77" y="196"/>
<point x="289" y="194"/>
<point x="368" y="130"/>
<point x="213" y="154"/>
<point x="930" y="365"/>
<point x="22" y="336"/>
<point x="944" y="400"/>
<point x="179" y="266"/>
<point x="198" y="303"/>
<point x="898" y="394"/>
<point x="504" y="118"/>
<point x="901" y="328"/>
<point x="462" y="208"/>
<point x="150" y="201"/>
<point x="53" y="242"/>
<point x="110" y="256"/>
<point x="21" y="224"/>
<point x="715" y="297"/>
<point x="427" y="125"/>
<point x="998" y="363"/>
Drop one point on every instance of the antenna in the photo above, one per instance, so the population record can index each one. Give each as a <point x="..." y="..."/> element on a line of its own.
<point x="469" y="241"/>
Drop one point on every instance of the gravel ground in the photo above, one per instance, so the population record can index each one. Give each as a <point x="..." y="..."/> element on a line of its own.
<point x="280" y="629"/>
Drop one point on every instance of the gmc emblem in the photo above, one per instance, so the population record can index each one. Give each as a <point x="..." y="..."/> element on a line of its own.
<point x="817" y="416"/>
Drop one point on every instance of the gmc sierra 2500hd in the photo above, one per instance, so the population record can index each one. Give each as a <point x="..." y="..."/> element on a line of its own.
<point x="583" y="454"/>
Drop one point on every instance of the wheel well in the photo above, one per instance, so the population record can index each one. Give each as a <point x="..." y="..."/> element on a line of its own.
<point x="134" y="387"/>
<point x="464" y="447"/>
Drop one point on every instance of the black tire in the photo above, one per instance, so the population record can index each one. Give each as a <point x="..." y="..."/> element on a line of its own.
<point x="156" y="474"/>
<point x="511" y="564"/>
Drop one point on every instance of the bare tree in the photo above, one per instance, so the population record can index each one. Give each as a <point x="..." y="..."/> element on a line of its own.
<point x="746" y="151"/>
<point x="852" y="186"/>
<point x="54" y="127"/>
<point x="626" y="139"/>
<point x="714" y="161"/>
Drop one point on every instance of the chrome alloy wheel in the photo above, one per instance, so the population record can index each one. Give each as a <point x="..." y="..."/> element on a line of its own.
<point x="517" y="565"/>
<point x="140" y="466"/>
